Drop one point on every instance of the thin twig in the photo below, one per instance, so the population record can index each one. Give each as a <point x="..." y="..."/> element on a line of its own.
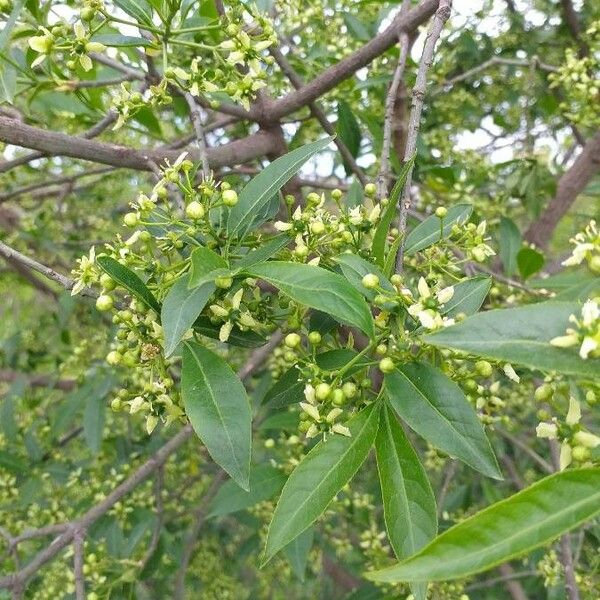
<point x="544" y="464"/>
<point x="158" y="491"/>
<point x="197" y="121"/>
<point x="442" y="14"/>
<point x="383" y="178"/>
<point x="78" y="560"/>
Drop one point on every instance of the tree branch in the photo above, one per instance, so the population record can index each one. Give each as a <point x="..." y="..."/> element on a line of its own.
<point x="60" y="144"/>
<point x="573" y="181"/>
<point x="418" y="95"/>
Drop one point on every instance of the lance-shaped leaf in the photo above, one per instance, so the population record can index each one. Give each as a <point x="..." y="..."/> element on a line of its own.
<point x="408" y="501"/>
<point x="436" y="408"/>
<point x="469" y="295"/>
<point x="129" y="280"/>
<point x="318" y="288"/>
<point x="218" y="408"/>
<point x="432" y="230"/>
<point x="297" y="551"/>
<point x="521" y="336"/>
<point x="381" y="232"/>
<point x="258" y="192"/>
<point x="510" y="244"/>
<point x="504" y="530"/>
<point x="206" y="266"/>
<point x="261" y="253"/>
<point x="323" y="472"/>
<point x="180" y="309"/>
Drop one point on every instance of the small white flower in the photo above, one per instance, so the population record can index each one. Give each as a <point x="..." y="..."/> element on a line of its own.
<point x="423" y="288"/>
<point x="445" y="295"/>
<point x="225" y="331"/>
<point x="547" y="430"/>
<point x="282" y="226"/>
<point x="587" y="439"/>
<point x="588" y="345"/>
<point x="566" y="456"/>
<point x="341" y="430"/>
<point x="151" y="423"/>
<point x="590" y="313"/>
<point x="510" y="373"/>
<point x="574" y="413"/>
<point x="309" y="393"/>
<point x="564" y="341"/>
<point x="310" y="410"/>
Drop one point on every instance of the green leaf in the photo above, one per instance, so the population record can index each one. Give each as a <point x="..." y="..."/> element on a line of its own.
<point x="408" y="502"/>
<point x="389" y="265"/>
<point x="8" y="83"/>
<point x="355" y="268"/>
<point x="588" y="288"/>
<point x="265" y="482"/>
<point x="323" y="472"/>
<point x="431" y="230"/>
<point x="129" y="280"/>
<point x="206" y="266"/>
<point x="116" y="40"/>
<point x="468" y="296"/>
<point x="348" y="131"/>
<point x="529" y="261"/>
<point x="261" y="253"/>
<point x="520" y="335"/>
<point x="138" y="9"/>
<point x="94" y="416"/>
<point x="381" y="232"/>
<point x="510" y="244"/>
<point x="320" y="289"/>
<point x="219" y="410"/>
<point x="10" y="23"/>
<point x="296" y="552"/>
<point x="180" y="309"/>
<point x="505" y="530"/>
<point x="260" y="190"/>
<point x="436" y="408"/>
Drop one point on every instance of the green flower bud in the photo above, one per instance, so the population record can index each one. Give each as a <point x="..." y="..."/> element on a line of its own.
<point x="396" y="279"/>
<point x="386" y="365"/>
<point x="543" y="393"/>
<point x="269" y="443"/>
<point x="116" y="404"/>
<point x="484" y="368"/>
<point x="581" y="453"/>
<point x="194" y="210"/>
<point x="230" y="198"/>
<point x="370" y="190"/>
<point x="349" y="389"/>
<point x="113" y="358"/>
<point x="370" y="281"/>
<point x="292" y="340"/>
<point x="381" y="349"/>
<point x="313" y="198"/>
<point x="107" y="282"/>
<point x="322" y="391"/>
<point x="317" y="227"/>
<point x="131" y="219"/>
<point x="224" y="283"/>
<point x="87" y="13"/>
<point x="594" y="263"/>
<point x="336" y="194"/>
<point x="441" y="212"/>
<point x="338" y="397"/>
<point x="314" y="337"/>
<point x="104" y="303"/>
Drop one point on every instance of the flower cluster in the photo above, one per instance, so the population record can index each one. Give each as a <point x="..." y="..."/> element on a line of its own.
<point x="587" y="248"/>
<point x="586" y="333"/>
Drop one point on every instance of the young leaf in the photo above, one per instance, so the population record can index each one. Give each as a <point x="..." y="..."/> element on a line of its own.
<point x="510" y="244"/>
<point x="265" y="482"/>
<point x="318" y="288"/>
<point x="381" y="232"/>
<point x="129" y="280"/>
<point x="219" y="410"/>
<point x="436" y="408"/>
<point x="431" y="230"/>
<point x="408" y="501"/>
<point x="529" y="261"/>
<point x="468" y="296"/>
<point x="261" y="253"/>
<point x="206" y="266"/>
<point x="237" y="337"/>
<point x="261" y="189"/>
<point x="519" y="335"/>
<point x="505" y="530"/>
<point x="180" y="309"/>
<point x="138" y="9"/>
<point x="348" y="131"/>
<point x="323" y="472"/>
<point x="390" y="260"/>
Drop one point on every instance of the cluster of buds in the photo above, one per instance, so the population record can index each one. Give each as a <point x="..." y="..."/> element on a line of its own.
<point x="585" y="334"/>
<point x="126" y="103"/>
<point x="429" y="307"/>
<point x="474" y="240"/>
<point x="576" y="443"/>
<point x="586" y="248"/>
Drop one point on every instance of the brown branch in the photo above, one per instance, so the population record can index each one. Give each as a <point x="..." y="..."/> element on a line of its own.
<point x="345" y="68"/>
<point x="442" y="14"/>
<point x="60" y="144"/>
<point x="573" y="181"/>
<point x="197" y="122"/>
<point x="383" y="177"/>
<point x="78" y="560"/>
<point x="37" y="380"/>
<point x="572" y="22"/>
